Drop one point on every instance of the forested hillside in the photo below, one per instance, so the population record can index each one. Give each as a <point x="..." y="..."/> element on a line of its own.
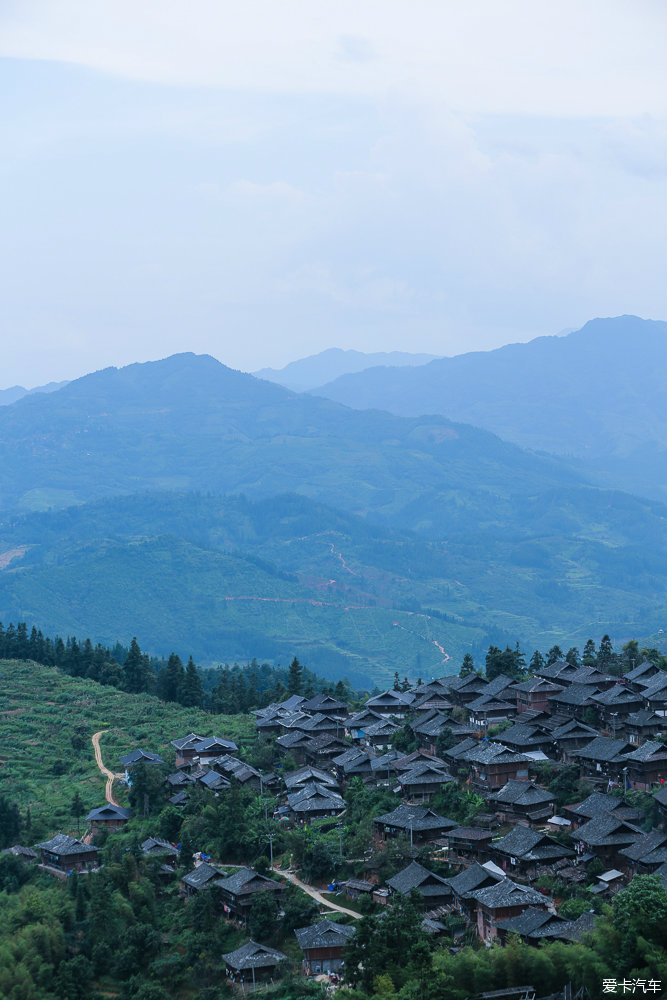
<point x="598" y="395"/>
<point x="276" y="577"/>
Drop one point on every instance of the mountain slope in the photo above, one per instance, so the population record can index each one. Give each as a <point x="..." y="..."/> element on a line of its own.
<point x="307" y="373"/>
<point x="598" y="395"/>
<point x="233" y="579"/>
<point x="189" y="422"/>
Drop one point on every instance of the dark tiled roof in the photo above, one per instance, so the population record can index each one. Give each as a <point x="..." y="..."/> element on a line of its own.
<point x="214" y="743"/>
<point x="647" y="751"/>
<point x="138" y="755"/>
<point x="643" y="846"/>
<point x="472" y="878"/>
<point x="423" y="818"/>
<point x="204" y="874"/>
<point x="155" y="845"/>
<point x="307" y="774"/>
<point x="463" y="833"/>
<point x="63" y="846"/>
<point x="247" y="880"/>
<point x="323" y="703"/>
<point x="292" y="738"/>
<point x="577" y="694"/>
<point x="604" y="830"/>
<point x="602" y="748"/>
<point x="108" y="811"/>
<point x="508" y="893"/>
<point x="253" y="956"/>
<point x="528" y="845"/>
<point x="522" y="793"/>
<point x="187" y="742"/>
<point x="325" y="934"/>
<point x="572" y="730"/>
<point x="535" y="922"/>
<point x="415" y="876"/>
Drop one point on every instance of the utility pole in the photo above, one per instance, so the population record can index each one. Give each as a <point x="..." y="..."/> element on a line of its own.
<point x="339" y="827"/>
<point x="270" y="837"/>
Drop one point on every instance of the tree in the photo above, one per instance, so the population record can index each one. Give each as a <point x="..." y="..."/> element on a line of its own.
<point x="555" y="653"/>
<point x="77" y="809"/>
<point x="640" y="913"/>
<point x="263" y="916"/>
<point x="147" y="789"/>
<point x="572" y="657"/>
<point x="192" y="692"/>
<point x="536" y="662"/>
<point x="137" y="670"/>
<point x="10" y="822"/>
<point x="590" y="656"/>
<point x="467" y="666"/>
<point x="631" y="655"/>
<point x="295" y="677"/>
<point x="605" y="653"/>
<point x="171" y="679"/>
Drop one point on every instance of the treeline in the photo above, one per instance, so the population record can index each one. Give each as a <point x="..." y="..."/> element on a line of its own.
<point x="226" y="689"/>
<point x="512" y="662"/>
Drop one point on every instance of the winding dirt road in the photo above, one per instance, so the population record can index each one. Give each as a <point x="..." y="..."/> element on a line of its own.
<point x="110" y="776"/>
<point x="310" y="890"/>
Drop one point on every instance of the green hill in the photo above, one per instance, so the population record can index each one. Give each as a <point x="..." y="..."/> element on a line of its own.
<point x="48" y="720"/>
<point x="229" y="579"/>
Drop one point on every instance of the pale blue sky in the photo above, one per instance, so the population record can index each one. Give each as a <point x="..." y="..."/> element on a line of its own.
<point x="263" y="183"/>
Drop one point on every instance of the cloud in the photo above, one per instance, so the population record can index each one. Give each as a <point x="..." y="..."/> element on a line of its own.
<point x="574" y="57"/>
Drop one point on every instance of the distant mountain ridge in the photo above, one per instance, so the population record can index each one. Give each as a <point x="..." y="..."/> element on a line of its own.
<point x="188" y="422"/>
<point x="598" y="395"/>
<point x="307" y="373"/>
<point x="15" y="392"/>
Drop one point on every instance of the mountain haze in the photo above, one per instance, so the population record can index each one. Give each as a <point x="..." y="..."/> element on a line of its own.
<point x="188" y="422"/>
<point x="598" y="395"/>
<point x="308" y="373"/>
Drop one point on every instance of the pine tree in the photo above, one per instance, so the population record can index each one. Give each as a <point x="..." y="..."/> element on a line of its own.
<point x="605" y="653"/>
<point x="295" y="677"/>
<point x="590" y="657"/>
<point x="572" y="657"/>
<point x="133" y="668"/>
<point x="536" y="662"/>
<point x="467" y="666"/>
<point x="171" y="679"/>
<point x="555" y="653"/>
<point x="77" y="809"/>
<point x="193" y="692"/>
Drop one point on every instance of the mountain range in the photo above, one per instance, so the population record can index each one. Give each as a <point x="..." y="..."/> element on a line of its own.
<point x="308" y="373"/>
<point x="366" y="542"/>
<point x="597" y="396"/>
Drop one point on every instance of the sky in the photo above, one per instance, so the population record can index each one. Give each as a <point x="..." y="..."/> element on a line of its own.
<point x="262" y="181"/>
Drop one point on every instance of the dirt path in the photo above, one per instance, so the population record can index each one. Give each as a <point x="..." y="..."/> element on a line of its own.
<point x="108" y="791"/>
<point x="313" y="892"/>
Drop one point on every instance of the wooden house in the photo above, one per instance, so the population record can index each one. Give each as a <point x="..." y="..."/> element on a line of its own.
<point x="108" y="817"/>
<point x="523" y="802"/>
<point x="433" y="889"/>
<point x="421" y="824"/>
<point x="66" y="854"/>
<point x="324" y="945"/>
<point x="252" y="963"/>
<point x="239" y="890"/>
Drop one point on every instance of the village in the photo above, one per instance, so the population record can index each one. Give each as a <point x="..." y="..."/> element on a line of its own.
<point x="510" y="864"/>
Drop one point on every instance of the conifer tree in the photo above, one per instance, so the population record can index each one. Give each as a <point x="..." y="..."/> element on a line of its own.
<point x="295" y="678"/>
<point x="171" y="679"/>
<point x="590" y="657"/>
<point x="193" y="692"/>
<point x="555" y="653"/>
<point x="467" y="666"/>
<point x="536" y="662"/>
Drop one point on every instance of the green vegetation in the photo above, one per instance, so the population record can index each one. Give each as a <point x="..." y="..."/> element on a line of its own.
<point x="48" y="720"/>
<point x="228" y="579"/>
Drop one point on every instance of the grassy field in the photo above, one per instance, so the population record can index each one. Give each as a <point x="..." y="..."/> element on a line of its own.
<point x="47" y="720"/>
